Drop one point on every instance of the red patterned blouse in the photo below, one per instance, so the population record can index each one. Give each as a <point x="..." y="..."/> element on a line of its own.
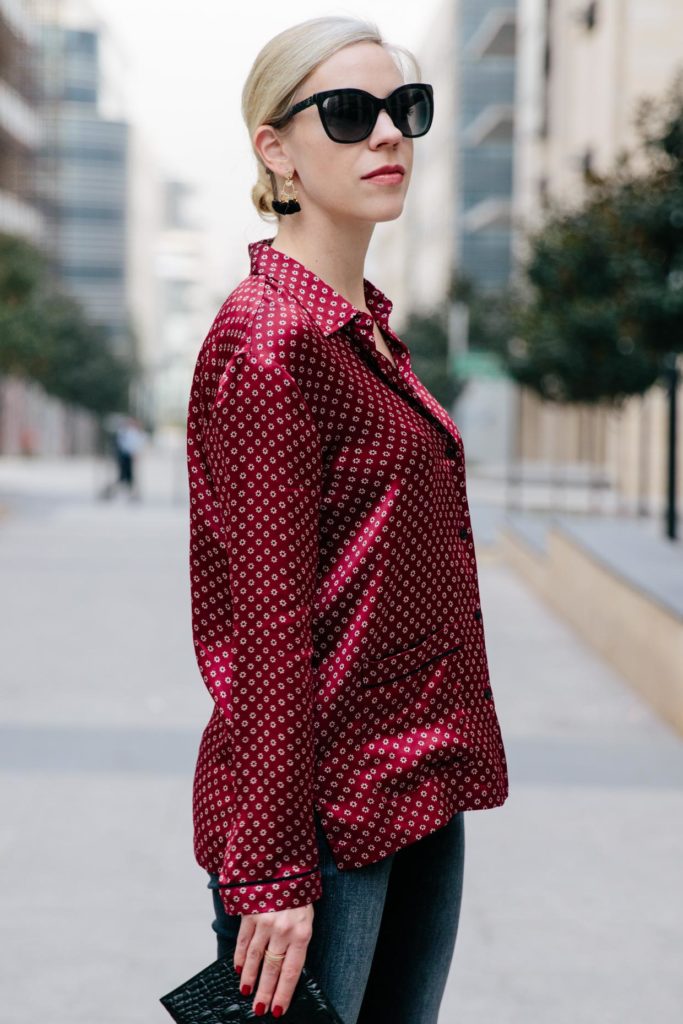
<point x="335" y="601"/>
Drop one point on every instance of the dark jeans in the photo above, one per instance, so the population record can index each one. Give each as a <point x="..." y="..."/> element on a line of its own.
<point x="384" y="934"/>
<point x="125" y="461"/>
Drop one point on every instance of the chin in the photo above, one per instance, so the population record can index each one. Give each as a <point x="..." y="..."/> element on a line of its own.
<point x="382" y="207"/>
<point x="388" y="211"/>
<point x="388" y="216"/>
<point x="373" y="213"/>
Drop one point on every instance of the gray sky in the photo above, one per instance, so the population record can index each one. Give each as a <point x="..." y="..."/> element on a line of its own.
<point x="186" y="63"/>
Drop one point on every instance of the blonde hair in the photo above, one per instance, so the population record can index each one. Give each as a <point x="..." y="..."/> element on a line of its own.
<point x="283" y="64"/>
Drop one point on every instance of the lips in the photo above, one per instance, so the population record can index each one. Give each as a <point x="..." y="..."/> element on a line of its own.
<point x="386" y="169"/>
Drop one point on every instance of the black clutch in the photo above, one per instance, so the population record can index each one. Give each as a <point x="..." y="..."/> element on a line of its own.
<point x="213" y="997"/>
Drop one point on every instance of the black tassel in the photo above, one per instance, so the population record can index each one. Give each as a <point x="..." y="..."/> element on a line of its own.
<point x="286" y="206"/>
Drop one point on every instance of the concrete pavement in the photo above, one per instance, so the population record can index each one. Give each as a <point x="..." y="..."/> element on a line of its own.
<point x="573" y="900"/>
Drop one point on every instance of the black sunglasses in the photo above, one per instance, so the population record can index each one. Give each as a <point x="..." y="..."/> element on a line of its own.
<point x="349" y="115"/>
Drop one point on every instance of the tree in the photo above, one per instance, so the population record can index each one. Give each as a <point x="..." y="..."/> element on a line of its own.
<point x="46" y="336"/>
<point x="570" y="341"/>
<point x="427" y="337"/>
<point x="489" y="313"/>
<point x="602" y="312"/>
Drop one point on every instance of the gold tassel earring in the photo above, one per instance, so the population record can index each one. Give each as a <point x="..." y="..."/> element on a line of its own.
<point x="289" y="202"/>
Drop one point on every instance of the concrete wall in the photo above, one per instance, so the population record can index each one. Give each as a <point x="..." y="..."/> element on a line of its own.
<point x="640" y="637"/>
<point x="35" y="423"/>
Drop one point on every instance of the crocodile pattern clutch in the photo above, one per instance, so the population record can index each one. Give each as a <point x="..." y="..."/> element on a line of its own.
<point x="213" y="997"/>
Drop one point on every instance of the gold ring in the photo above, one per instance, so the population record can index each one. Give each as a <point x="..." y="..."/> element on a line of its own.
<point x="274" y="957"/>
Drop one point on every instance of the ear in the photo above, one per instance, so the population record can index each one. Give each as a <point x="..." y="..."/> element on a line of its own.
<point x="271" y="151"/>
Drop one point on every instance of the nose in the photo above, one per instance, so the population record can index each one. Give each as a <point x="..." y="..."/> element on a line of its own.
<point x="385" y="130"/>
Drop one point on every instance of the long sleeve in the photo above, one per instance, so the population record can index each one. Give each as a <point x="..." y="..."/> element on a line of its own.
<point x="255" y="467"/>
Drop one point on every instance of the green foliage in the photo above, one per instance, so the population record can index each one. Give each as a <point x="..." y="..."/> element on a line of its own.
<point x="46" y="336"/>
<point x="490" y="313"/>
<point x="22" y="270"/>
<point x="603" y="299"/>
<point x="427" y="337"/>
<point x="572" y="342"/>
<point x="659" y="126"/>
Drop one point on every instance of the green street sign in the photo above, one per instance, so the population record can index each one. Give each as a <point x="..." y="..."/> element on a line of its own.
<point x="473" y="363"/>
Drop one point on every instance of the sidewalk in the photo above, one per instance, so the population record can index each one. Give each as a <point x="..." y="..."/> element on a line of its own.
<point x="573" y="901"/>
<point x="636" y="550"/>
<point x="39" y="483"/>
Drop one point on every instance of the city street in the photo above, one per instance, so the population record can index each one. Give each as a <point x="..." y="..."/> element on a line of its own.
<point x="573" y="905"/>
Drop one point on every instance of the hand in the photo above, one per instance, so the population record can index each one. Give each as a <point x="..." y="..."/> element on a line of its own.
<point x="279" y="931"/>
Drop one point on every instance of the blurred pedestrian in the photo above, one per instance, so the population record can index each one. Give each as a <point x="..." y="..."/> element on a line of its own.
<point x="128" y="440"/>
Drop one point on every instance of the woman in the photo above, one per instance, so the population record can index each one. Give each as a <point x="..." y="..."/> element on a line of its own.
<point x="335" y="602"/>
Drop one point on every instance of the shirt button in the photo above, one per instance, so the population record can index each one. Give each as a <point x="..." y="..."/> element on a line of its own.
<point x="488" y="693"/>
<point x="477" y="613"/>
<point x="463" y="533"/>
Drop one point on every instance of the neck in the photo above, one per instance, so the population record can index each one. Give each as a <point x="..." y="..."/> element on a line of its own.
<point x="334" y="250"/>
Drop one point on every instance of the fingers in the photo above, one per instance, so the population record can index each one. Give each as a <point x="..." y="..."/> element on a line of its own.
<point x="252" y="940"/>
<point x="278" y="981"/>
<point x="244" y="936"/>
<point x="282" y="937"/>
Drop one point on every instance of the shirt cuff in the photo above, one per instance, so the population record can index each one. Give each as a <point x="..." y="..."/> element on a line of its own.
<point x="265" y="895"/>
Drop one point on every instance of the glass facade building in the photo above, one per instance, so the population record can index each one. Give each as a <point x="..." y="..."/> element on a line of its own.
<point x="485" y="65"/>
<point x="84" y="180"/>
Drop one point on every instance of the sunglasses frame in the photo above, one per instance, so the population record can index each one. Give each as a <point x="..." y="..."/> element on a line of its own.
<point x="377" y="104"/>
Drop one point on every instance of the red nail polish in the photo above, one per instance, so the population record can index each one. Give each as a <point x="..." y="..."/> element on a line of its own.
<point x="260" y="1009"/>
<point x="238" y="968"/>
<point x="245" y="989"/>
<point x="277" y="1010"/>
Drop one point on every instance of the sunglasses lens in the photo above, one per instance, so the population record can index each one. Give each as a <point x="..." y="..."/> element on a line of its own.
<point x="411" y="110"/>
<point x="348" y="116"/>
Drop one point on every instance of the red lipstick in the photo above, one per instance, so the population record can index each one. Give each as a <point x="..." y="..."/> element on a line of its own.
<point x="387" y="170"/>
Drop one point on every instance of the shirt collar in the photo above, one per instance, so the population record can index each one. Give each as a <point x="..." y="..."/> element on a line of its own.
<point x="329" y="309"/>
